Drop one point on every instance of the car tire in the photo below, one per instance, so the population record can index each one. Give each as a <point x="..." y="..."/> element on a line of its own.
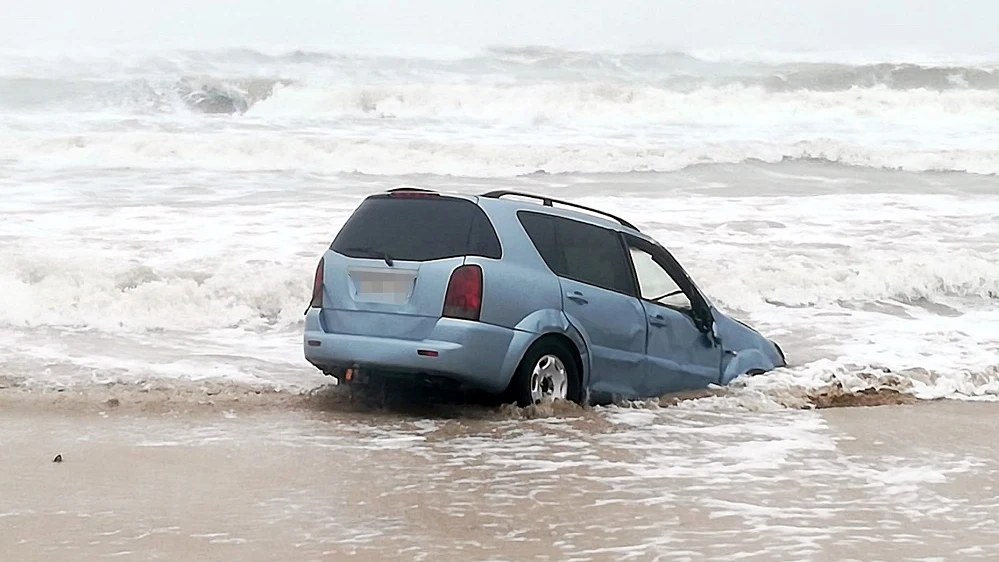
<point x="548" y="370"/>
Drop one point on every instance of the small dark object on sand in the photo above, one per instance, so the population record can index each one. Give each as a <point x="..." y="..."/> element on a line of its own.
<point x="58" y="458"/>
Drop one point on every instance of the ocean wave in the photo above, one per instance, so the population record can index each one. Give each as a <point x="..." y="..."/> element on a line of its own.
<point x="671" y="70"/>
<point x="527" y="80"/>
<point x="592" y="108"/>
<point x="683" y="70"/>
<point x="610" y="103"/>
<point x="835" y="77"/>
<point x="247" y="152"/>
<point x="578" y="100"/>
<point x="199" y="94"/>
<point x="125" y="296"/>
<point x="64" y="291"/>
<point x="865" y="279"/>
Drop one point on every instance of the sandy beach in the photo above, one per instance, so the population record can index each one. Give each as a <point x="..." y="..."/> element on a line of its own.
<point x="330" y="481"/>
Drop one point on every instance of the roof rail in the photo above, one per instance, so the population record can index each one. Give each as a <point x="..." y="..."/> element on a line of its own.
<point x="548" y="201"/>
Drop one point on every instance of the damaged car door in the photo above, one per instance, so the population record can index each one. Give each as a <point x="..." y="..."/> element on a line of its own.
<point x="681" y="352"/>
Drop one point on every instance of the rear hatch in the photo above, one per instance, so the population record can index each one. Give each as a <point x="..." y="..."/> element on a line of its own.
<point x="387" y="271"/>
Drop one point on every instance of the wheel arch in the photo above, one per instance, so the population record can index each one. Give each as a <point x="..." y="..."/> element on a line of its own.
<point x="577" y="349"/>
<point x="566" y="342"/>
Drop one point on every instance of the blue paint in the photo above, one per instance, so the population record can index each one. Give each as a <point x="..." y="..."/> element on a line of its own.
<point x="628" y="344"/>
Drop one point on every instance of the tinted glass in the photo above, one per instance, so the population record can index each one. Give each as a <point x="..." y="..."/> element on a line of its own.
<point x="541" y="229"/>
<point x="417" y="229"/>
<point x="594" y="255"/>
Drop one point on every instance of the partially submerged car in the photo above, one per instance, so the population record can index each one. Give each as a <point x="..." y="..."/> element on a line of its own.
<point x="506" y="293"/>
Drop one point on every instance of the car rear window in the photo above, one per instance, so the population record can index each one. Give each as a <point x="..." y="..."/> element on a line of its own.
<point x="417" y="229"/>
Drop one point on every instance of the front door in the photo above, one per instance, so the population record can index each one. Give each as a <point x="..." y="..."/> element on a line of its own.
<point x="681" y="353"/>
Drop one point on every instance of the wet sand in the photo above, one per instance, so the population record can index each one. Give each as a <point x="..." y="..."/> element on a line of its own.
<point x="329" y="481"/>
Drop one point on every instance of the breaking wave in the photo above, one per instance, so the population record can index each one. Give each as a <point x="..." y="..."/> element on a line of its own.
<point x="59" y="290"/>
<point x="115" y="297"/>
<point x="674" y="69"/>
<point x="139" y="95"/>
<point x="542" y="79"/>
<point x="857" y="281"/>
<point x="628" y="102"/>
<point x="247" y="152"/>
<point x="498" y="112"/>
<point x="512" y="100"/>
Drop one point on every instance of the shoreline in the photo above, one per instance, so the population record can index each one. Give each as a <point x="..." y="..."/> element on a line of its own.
<point x="190" y="397"/>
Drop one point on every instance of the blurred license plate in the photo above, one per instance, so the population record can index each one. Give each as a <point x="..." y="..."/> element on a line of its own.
<point x="380" y="285"/>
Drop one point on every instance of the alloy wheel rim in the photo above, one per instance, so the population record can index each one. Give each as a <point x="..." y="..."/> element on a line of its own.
<point x="549" y="380"/>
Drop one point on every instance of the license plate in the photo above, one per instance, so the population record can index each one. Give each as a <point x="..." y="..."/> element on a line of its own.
<point x="379" y="285"/>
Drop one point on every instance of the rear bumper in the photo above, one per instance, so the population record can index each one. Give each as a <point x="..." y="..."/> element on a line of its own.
<point x="473" y="353"/>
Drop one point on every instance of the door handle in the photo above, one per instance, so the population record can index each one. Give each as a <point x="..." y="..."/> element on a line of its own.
<point x="577" y="297"/>
<point x="657" y="320"/>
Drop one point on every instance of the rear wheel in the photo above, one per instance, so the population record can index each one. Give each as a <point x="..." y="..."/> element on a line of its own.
<point x="548" y="372"/>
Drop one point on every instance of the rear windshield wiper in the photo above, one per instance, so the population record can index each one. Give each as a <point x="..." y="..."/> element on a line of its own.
<point x="371" y="252"/>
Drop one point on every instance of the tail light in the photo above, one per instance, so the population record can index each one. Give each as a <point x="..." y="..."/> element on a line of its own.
<point x="464" y="293"/>
<point x="317" y="286"/>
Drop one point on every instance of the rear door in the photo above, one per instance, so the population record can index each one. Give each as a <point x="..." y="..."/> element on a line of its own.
<point x="387" y="270"/>
<point x="597" y="296"/>
<point x="682" y="355"/>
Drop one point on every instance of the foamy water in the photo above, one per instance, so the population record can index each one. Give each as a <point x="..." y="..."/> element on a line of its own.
<point x="494" y="114"/>
<point x="147" y="237"/>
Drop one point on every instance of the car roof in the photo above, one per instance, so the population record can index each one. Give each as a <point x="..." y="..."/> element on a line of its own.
<point x="537" y="203"/>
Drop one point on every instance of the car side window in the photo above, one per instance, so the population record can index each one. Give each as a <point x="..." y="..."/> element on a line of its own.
<point x="541" y="230"/>
<point x="594" y="255"/>
<point x="655" y="284"/>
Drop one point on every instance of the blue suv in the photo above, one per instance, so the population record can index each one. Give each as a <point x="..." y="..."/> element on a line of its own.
<point x="510" y="294"/>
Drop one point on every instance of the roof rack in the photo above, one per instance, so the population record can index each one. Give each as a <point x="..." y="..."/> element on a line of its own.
<point x="548" y="201"/>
